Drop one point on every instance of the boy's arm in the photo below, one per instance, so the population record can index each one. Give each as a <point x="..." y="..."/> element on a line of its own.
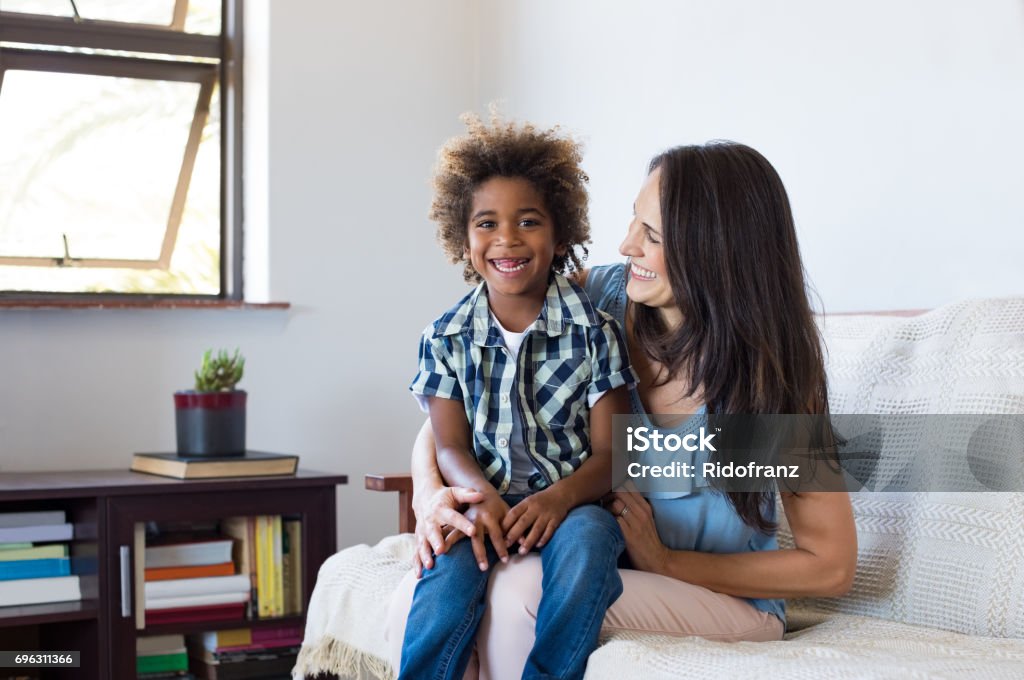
<point x="594" y="477"/>
<point x="534" y="520"/>
<point x="455" y="460"/>
<point x="458" y="466"/>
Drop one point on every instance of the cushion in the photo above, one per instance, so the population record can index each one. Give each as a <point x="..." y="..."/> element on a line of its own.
<point x="839" y="646"/>
<point x="945" y="560"/>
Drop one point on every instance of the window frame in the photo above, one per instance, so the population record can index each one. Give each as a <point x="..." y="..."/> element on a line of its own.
<point x="17" y="27"/>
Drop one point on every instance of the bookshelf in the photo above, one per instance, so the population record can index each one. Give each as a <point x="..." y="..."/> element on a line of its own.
<point x="104" y="506"/>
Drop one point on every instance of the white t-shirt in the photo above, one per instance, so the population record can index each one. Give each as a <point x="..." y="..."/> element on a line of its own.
<point x="522" y="466"/>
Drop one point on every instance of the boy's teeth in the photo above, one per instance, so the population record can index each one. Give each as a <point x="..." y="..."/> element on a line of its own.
<point x="510" y="265"/>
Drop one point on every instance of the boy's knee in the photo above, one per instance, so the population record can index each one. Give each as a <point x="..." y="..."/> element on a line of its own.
<point x="458" y="557"/>
<point x="589" y="524"/>
<point x="591" y="515"/>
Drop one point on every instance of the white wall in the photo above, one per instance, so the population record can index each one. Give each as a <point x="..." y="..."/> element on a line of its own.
<point x="895" y="124"/>
<point x="359" y="96"/>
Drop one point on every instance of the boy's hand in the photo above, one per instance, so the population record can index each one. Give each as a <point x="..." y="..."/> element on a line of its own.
<point x="486" y="516"/>
<point x="532" y="522"/>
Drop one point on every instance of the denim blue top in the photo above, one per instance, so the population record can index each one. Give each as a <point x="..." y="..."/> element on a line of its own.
<point x="702" y="519"/>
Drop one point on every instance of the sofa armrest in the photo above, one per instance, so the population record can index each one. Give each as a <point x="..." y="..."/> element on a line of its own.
<point x="402" y="483"/>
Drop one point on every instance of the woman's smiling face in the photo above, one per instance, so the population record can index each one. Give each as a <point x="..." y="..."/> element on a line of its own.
<point x="648" y="282"/>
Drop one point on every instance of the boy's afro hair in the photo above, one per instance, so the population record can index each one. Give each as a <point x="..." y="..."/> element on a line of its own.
<point x="548" y="159"/>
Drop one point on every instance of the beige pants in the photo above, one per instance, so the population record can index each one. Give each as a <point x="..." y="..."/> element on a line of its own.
<point x="649" y="603"/>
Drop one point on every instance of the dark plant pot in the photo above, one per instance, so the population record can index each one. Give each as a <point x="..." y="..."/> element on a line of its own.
<point x="210" y="423"/>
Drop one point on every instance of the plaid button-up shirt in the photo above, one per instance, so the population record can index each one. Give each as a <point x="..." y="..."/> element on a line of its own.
<point x="573" y="350"/>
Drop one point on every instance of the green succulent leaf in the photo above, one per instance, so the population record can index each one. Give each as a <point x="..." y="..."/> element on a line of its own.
<point x="219" y="373"/>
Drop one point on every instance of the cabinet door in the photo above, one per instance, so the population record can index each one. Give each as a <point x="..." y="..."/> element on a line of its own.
<point x="315" y="504"/>
<point x="73" y="625"/>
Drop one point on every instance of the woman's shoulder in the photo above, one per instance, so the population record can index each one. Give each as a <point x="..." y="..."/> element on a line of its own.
<point x="605" y="285"/>
<point x="599" y="277"/>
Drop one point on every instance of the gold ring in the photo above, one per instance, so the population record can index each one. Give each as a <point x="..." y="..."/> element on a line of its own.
<point x="625" y="509"/>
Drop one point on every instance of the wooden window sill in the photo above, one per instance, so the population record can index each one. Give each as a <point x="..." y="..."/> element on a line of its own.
<point x="140" y="304"/>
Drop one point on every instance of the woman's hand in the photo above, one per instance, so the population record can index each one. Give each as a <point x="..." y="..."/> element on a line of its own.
<point x="486" y="518"/>
<point x="534" y="519"/>
<point x="643" y="545"/>
<point x="437" y="509"/>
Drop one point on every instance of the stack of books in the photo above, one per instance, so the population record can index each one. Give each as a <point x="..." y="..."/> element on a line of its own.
<point x="269" y="549"/>
<point x="34" y="562"/>
<point x="245" y="653"/>
<point x="161" y="656"/>
<point x="193" y="578"/>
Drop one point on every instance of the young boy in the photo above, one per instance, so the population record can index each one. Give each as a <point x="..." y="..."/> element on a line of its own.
<point x="520" y="379"/>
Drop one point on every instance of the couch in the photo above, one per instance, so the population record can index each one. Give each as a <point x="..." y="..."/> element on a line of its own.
<point x="939" y="590"/>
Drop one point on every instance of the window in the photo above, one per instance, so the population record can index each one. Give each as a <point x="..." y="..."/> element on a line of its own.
<point x="120" y="148"/>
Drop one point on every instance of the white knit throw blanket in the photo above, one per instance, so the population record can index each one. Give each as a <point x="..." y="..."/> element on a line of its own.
<point x="345" y="636"/>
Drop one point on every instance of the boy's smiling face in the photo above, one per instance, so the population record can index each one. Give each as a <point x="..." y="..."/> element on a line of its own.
<point x="511" y="239"/>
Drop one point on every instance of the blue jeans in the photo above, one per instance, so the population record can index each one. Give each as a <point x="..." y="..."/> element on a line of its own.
<point x="580" y="582"/>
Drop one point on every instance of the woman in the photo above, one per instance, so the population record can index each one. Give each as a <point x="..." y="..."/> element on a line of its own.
<point x="717" y="320"/>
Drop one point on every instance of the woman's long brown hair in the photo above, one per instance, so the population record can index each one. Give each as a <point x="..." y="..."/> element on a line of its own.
<point x="747" y="342"/>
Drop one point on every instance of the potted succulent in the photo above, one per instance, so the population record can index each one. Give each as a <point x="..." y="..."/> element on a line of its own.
<point x="210" y="420"/>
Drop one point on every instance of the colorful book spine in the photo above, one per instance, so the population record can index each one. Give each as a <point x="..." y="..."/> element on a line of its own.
<point x="294" y="641"/>
<point x="27" y="552"/>
<point x="287" y="570"/>
<point x="243" y="552"/>
<point x="39" y="590"/>
<point x="251" y="564"/>
<point x="218" y="612"/>
<point x="162" y="663"/>
<point x="237" y="584"/>
<point x="263" y="589"/>
<point x="36" y="534"/>
<point x="30" y="519"/>
<point x="19" y="569"/>
<point x="184" y="601"/>
<point x="278" y="556"/>
<point x="270" y="634"/>
<point x="173" y="573"/>
<point x="293" y="586"/>
<point x="237" y="637"/>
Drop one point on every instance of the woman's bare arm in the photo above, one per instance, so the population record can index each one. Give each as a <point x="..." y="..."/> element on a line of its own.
<point x="821" y="565"/>
<point x="426" y="477"/>
<point x="435" y="504"/>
